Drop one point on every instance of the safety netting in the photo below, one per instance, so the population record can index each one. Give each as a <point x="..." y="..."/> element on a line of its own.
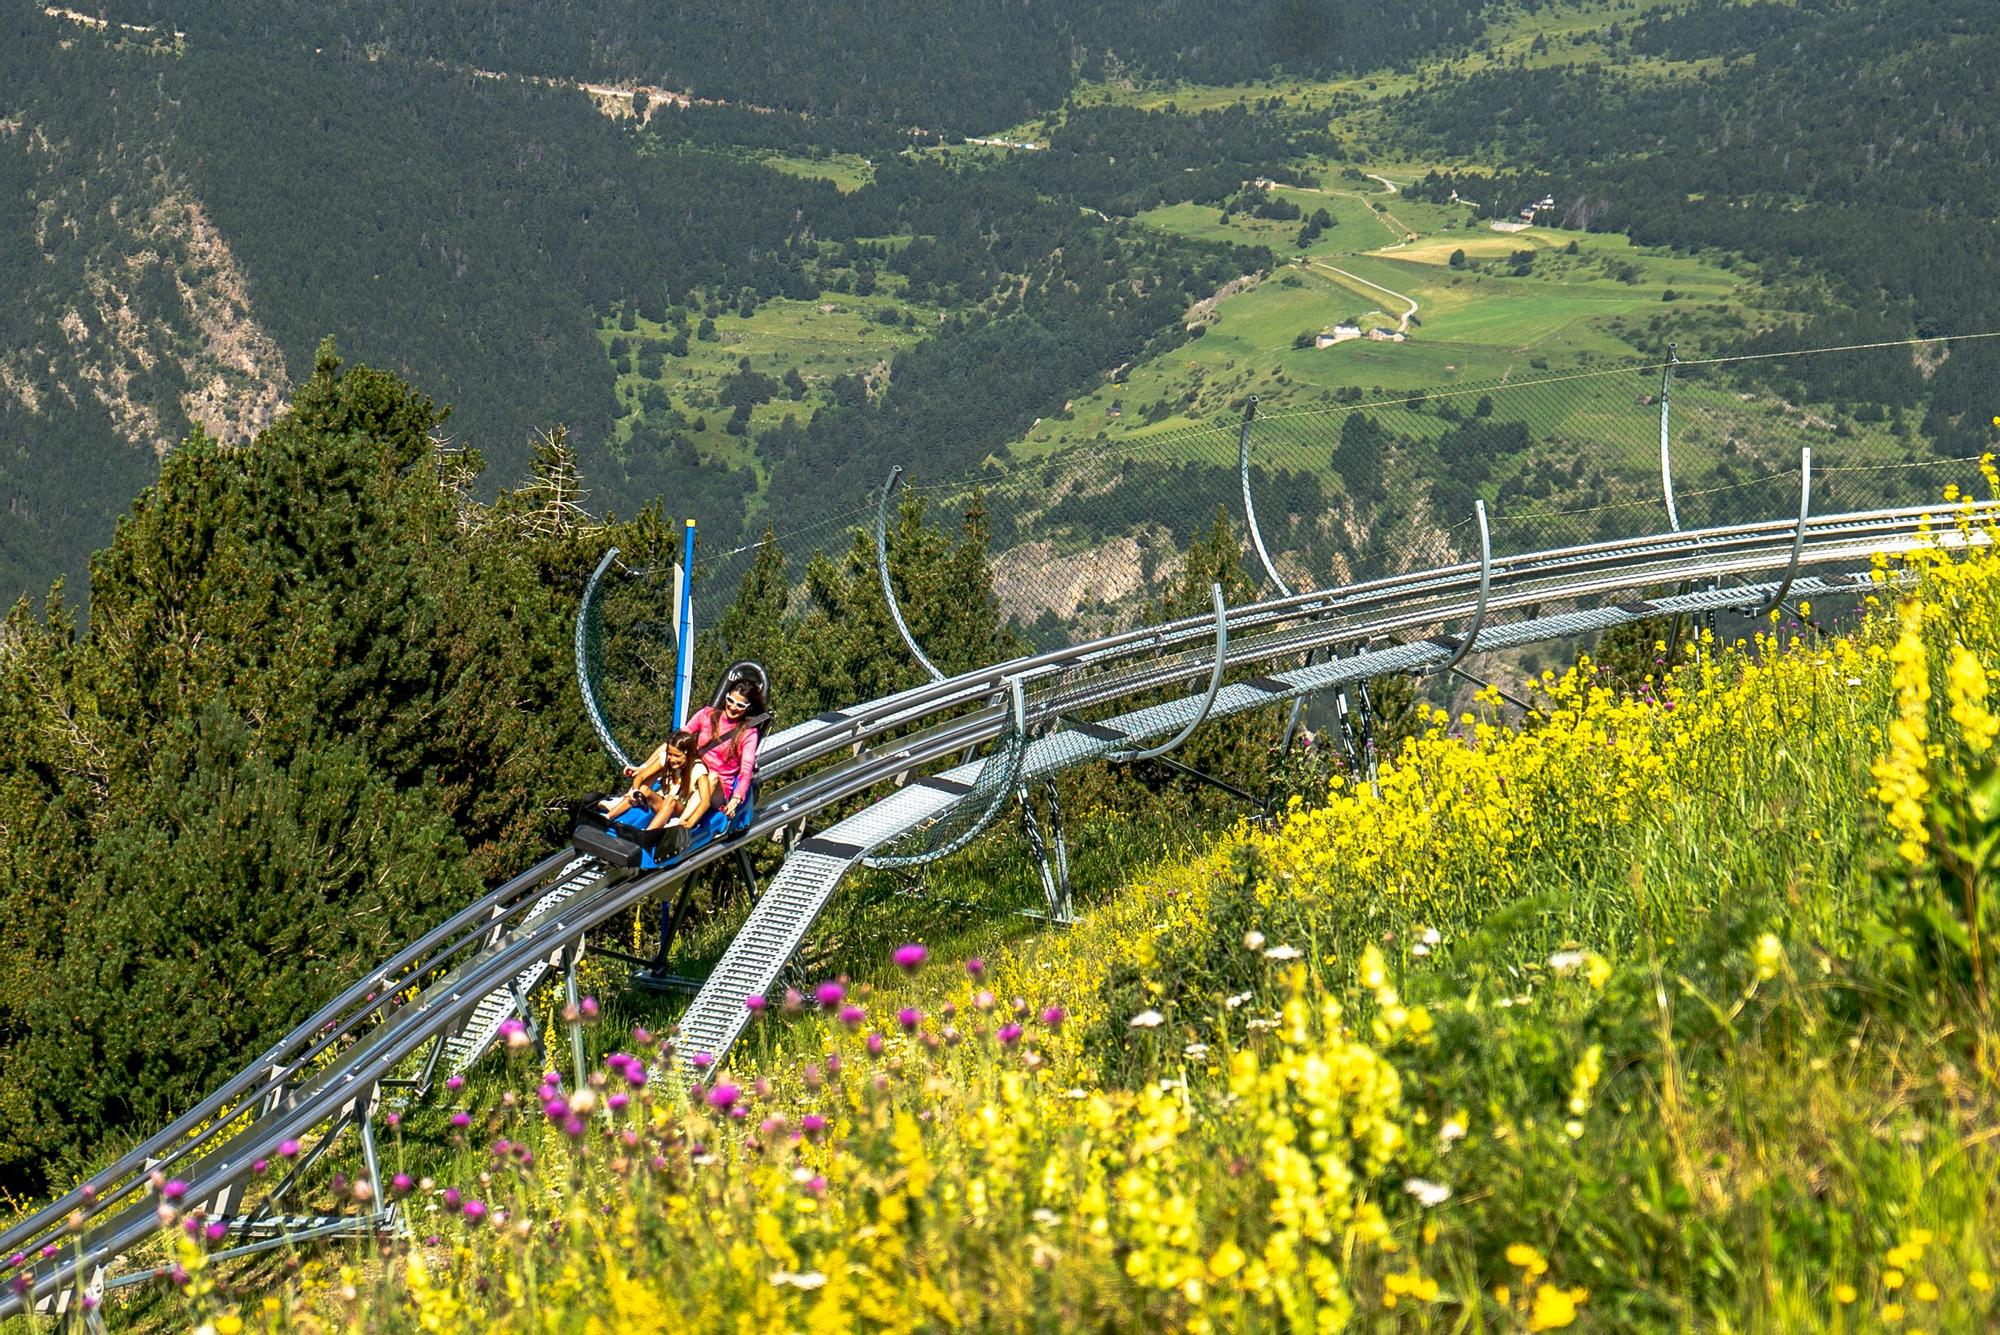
<point x="1370" y="482"/>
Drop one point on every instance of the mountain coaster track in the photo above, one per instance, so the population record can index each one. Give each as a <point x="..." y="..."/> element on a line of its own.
<point x="442" y="999"/>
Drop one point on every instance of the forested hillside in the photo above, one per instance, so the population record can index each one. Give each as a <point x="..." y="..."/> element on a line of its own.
<point x="965" y="67"/>
<point x="750" y="304"/>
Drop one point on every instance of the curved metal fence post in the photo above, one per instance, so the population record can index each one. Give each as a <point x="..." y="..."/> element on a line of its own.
<point x="882" y="569"/>
<point x="1207" y="701"/>
<point x="597" y="724"/>
<point x="1798" y="534"/>
<point x="1666" y="448"/>
<point x="1485" y="587"/>
<point x="1250" y="506"/>
<point x="1001" y="793"/>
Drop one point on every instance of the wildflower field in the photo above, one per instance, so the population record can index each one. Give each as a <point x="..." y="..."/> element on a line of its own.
<point x="1662" y="1010"/>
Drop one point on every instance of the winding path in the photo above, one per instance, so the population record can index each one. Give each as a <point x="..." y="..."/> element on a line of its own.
<point x="1403" y="325"/>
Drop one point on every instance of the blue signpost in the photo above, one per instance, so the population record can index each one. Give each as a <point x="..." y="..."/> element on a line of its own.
<point x="684" y="630"/>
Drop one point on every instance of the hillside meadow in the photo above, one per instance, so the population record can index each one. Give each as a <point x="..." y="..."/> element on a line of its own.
<point x="1669" y="1008"/>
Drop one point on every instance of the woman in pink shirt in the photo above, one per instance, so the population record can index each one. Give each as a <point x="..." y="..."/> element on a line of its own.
<point x="726" y="739"/>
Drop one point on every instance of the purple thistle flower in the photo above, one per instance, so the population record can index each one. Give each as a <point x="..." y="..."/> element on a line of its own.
<point x="874" y="1043"/>
<point x="817" y="1186"/>
<point x="982" y="1000"/>
<point x="217" y="1231"/>
<point x="556" y="1110"/>
<point x="474" y="1211"/>
<point x="909" y="1017"/>
<point x="641" y="1036"/>
<point x="1009" y="1035"/>
<point x="794" y="1003"/>
<point x="724" y="1095"/>
<point x="50" y="1251"/>
<point x="852" y="1016"/>
<point x="174" y="1190"/>
<point x="833" y="1063"/>
<point x="909" y="957"/>
<point x="754" y="1004"/>
<point x="455" y="1083"/>
<point x="461" y="1120"/>
<point x="503" y="1146"/>
<point x="19" y="1284"/>
<point x="451" y="1198"/>
<point x="975" y="966"/>
<point x="701" y="1061"/>
<point x="17" y="1260"/>
<point x="401" y="1184"/>
<point x="813" y="1125"/>
<point x="617" y="1102"/>
<point x="1054" y="1016"/>
<point x="635" y="1075"/>
<point x="394" y="1119"/>
<point x="178" y="1275"/>
<point x="589" y="1008"/>
<point x="288" y="1149"/>
<point x="573" y="1127"/>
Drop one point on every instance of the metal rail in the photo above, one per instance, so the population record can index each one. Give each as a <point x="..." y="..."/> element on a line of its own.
<point x="328" y="1069"/>
<point x="888" y="588"/>
<point x="1207" y="700"/>
<point x="597" y="723"/>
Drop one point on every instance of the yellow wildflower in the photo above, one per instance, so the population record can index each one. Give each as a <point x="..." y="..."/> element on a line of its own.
<point x="1555" y="1307"/>
<point x="1966" y="686"/>
<point x="1901" y="781"/>
<point x="1844" y="1294"/>
<point x="1524" y="1257"/>
<point x="1768" y="956"/>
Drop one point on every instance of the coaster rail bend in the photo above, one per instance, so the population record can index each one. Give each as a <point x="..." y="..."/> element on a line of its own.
<point x="444" y="1000"/>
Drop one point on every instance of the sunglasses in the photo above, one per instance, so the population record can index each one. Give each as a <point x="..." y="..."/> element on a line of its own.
<point x="735" y="702"/>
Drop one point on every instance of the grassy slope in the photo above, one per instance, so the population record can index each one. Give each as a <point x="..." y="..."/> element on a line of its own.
<point x="1629" y="1020"/>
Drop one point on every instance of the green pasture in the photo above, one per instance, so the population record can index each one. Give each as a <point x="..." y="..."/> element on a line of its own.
<point x="848" y="171"/>
<point x="1479" y="324"/>
<point x="838" y="334"/>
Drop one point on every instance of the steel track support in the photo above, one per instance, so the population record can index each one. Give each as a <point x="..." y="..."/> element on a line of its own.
<point x="572" y="1010"/>
<point x="369" y="1159"/>
<point x="749" y="873"/>
<point x="299" y="1169"/>
<point x="1298" y="710"/>
<point x="526" y="1015"/>
<point x="1486" y="685"/>
<point x="671" y="924"/>
<point x="1203" y="776"/>
<point x="1055" y="875"/>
